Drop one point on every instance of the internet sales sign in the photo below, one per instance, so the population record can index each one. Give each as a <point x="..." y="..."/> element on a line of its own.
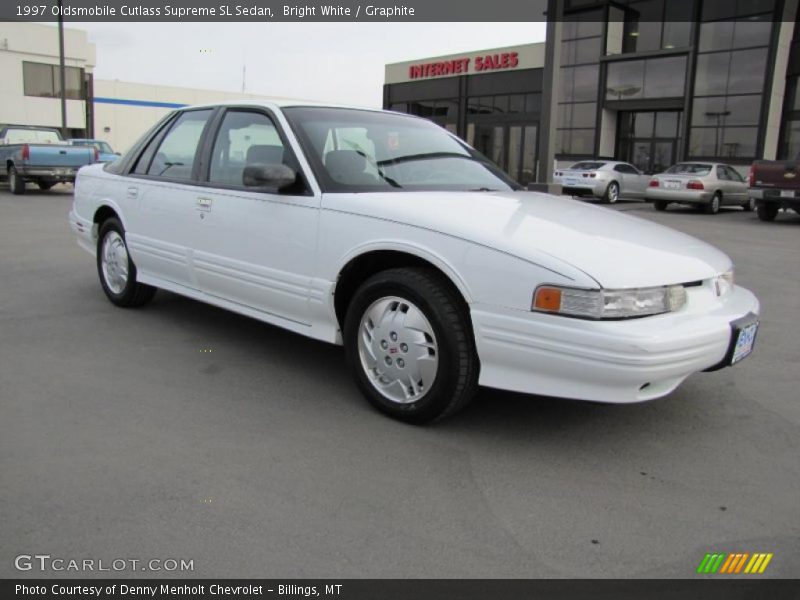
<point x="461" y="66"/>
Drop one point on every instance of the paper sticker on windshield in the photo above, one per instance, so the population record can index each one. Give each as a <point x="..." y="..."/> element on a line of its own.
<point x="393" y="140"/>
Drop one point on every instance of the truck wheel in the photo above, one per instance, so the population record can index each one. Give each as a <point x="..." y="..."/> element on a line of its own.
<point x="116" y="269"/>
<point x="612" y="193"/>
<point x="660" y="205"/>
<point x="44" y="185"/>
<point x="15" y="181"/>
<point x="712" y="207"/>
<point x="410" y="346"/>
<point x="767" y="212"/>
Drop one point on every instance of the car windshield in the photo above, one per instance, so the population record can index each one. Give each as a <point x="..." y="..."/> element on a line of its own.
<point x="102" y="147"/>
<point x="586" y="166"/>
<point x="689" y="169"/>
<point x="358" y="150"/>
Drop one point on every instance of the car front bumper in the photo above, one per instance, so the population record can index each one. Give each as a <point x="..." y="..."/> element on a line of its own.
<point x="681" y="196"/>
<point x="621" y="361"/>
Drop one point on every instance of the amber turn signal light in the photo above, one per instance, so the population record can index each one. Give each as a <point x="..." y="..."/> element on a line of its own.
<point x="547" y="298"/>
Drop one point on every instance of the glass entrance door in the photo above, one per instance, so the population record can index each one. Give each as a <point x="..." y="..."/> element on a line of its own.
<point x="510" y="146"/>
<point x="648" y="140"/>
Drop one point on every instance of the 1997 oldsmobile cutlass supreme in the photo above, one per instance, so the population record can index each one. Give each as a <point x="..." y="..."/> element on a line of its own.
<point x="387" y="234"/>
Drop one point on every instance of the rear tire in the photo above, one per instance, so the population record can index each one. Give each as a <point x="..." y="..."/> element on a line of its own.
<point x="15" y="181"/>
<point x="612" y="193"/>
<point x="409" y="345"/>
<point x="660" y="205"/>
<point x="712" y="207"/>
<point x="767" y="212"/>
<point x="116" y="269"/>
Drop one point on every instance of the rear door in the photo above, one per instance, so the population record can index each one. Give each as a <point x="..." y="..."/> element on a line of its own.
<point x="162" y="190"/>
<point x="632" y="181"/>
<point x="254" y="246"/>
<point x="738" y="186"/>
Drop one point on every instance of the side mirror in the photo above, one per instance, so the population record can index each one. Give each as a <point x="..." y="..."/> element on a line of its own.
<point x="276" y="177"/>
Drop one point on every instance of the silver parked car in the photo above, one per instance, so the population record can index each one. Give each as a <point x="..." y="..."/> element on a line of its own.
<point x="702" y="184"/>
<point x="604" y="179"/>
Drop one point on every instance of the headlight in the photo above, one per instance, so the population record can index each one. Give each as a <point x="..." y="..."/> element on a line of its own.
<point x="723" y="284"/>
<point x="608" y="304"/>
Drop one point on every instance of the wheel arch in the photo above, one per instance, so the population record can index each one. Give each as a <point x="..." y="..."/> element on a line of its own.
<point x="105" y="211"/>
<point x="361" y="265"/>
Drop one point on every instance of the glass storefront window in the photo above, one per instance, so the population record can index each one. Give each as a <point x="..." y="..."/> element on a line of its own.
<point x="650" y="78"/>
<point x="711" y="73"/>
<point x="668" y="124"/>
<point x="729" y="9"/>
<point x="748" y="68"/>
<point x="516" y="103"/>
<point x="732" y="110"/>
<point x="533" y="103"/>
<point x="571" y="116"/>
<point x="579" y="83"/>
<point x="583" y="24"/>
<point x="725" y="35"/>
<point x="677" y="34"/>
<point x="729" y="142"/>
<point x="575" y="141"/>
<point x="791" y="145"/>
<point x="576" y="52"/>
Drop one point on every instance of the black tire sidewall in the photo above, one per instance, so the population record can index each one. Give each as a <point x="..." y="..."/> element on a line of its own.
<point x="125" y="297"/>
<point x="438" y="398"/>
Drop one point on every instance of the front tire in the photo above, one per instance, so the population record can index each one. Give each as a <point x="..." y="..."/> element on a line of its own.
<point x="15" y="181"/>
<point x="660" y="205"/>
<point x="116" y="269"/>
<point x="612" y="193"/>
<point x="409" y="345"/>
<point x="767" y="212"/>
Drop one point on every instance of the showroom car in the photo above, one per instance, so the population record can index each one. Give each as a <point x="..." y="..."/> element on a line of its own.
<point x="607" y="180"/>
<point x="707" y="186"/>
<point x="388" y="235"/>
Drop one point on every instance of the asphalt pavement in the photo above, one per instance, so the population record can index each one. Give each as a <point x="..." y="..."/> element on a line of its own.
<point x="181" y="431"/>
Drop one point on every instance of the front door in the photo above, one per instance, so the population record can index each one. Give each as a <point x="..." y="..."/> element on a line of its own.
<point x="254" y="247"/>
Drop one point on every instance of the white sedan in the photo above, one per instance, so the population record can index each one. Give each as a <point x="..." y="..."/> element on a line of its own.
<point x="386" y="234"/>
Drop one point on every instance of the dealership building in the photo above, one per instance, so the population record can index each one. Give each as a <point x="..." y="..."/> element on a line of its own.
<point x="111" y="110"/>
<point x="650" y="82"/>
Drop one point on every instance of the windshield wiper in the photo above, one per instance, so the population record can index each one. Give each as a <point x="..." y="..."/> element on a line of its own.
<point x="413" y="157"/>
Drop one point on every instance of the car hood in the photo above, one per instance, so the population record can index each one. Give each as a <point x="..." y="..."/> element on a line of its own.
<point x="613" y="248"/>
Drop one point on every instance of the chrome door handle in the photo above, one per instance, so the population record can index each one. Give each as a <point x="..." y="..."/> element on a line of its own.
<point x="203" y="203"/>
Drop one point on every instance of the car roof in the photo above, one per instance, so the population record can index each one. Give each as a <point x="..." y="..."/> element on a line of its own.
<point x="280" y="103"/>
